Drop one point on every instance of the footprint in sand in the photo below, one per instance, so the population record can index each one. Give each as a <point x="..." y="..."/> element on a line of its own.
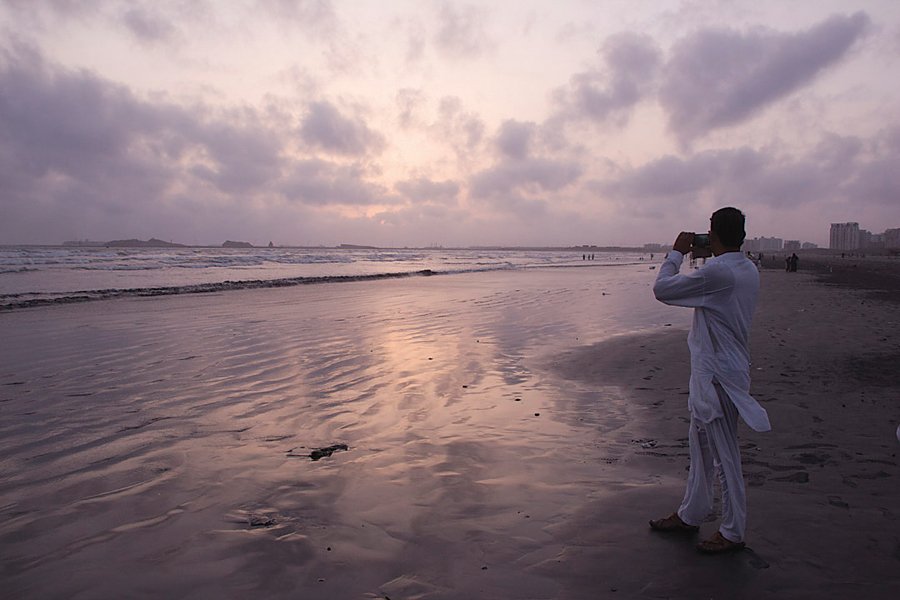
<point x="757" y="479"/>
<point x="756" y="561"/>
<point x="837" y="501"/>
<point x="808" y="458"/>
<point x="799" y="477"/>
<point x="876" y="475"/>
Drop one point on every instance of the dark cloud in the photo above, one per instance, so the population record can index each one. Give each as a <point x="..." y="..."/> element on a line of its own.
<point x="721" y="77"/>
<point x="877" y="182"/>
<point x="82" y="156"/>
<point x="515" y="138"/>
<point x="41" y="14"/>
<point x="461" y="32"/>
<point x="245" y="152"/>
<point x="320" y="182"/>
<point x="324" y="127"/>
<point x="149" y="22"/>
<point x="666" y="177"/>
<point x="70" y="153"/>
<point x="147" y="26"/>
<point x="837" y="154"/>
<point x="877" y="178"/>
<point x="628" y="73"/>
<point x="836" y="171"/>
<point x="421" y="190"/>
<point x="744" y="172"/>
<point x="44" y="135"/>
<point x="534" y="175"/>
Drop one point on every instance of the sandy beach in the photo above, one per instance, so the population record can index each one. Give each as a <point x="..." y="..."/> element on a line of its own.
<point x="487" y="435"/>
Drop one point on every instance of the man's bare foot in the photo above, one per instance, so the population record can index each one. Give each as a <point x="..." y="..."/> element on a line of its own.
<point x="672" y="523"/>
<point x="718" y="544"/>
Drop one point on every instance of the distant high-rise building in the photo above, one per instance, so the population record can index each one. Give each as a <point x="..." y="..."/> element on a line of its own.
<point x="870" y="241"/>
<point x="865" y="238"/>
<point x="844" y="236"/>
<point x="809" y="246"/>
<point x="763" y="244"/>
<point x="791" y="245"/>
<point x="892" y="238"/>
<point x="772" y="244"/>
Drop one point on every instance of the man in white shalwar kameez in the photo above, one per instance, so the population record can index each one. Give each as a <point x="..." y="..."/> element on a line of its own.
<point x="723" y="295"/>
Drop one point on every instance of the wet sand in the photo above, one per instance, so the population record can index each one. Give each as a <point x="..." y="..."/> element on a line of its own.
<point x="823" y="486"/>
<point x="508" y="435"/>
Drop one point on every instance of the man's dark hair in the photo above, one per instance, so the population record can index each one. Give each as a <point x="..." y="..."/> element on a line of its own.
<point x="728" y="224"/>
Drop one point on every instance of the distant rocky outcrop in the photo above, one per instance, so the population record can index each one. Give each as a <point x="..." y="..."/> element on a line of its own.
<point x="151" y="243"/>
<point x="231" y="244"/>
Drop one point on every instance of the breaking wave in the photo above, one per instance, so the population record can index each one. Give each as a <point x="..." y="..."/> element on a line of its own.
<point x="13" y="301"/>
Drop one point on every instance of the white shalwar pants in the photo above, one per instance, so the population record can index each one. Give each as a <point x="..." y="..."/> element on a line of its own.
<point x="714" y="449"/>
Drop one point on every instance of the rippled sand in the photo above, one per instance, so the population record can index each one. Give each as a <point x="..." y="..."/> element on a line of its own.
<point x="505" y="439"/>
<point x="160" y="446"/>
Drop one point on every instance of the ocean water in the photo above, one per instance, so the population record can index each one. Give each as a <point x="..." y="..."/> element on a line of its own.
<point x="33" y="276"/>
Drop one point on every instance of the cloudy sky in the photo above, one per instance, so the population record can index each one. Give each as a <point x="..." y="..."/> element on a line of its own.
<point x="394" y="122"/>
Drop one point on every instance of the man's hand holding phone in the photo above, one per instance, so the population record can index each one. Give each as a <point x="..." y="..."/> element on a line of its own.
<point x="684" y="242"/>
<point x="697" y="244"/>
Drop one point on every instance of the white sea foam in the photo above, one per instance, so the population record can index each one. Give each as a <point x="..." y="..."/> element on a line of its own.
<point x="32" y="276"/>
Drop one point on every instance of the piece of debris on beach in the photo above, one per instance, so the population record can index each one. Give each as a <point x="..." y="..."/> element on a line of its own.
<point x="317" y="453"/>
<point x="327" y="451"/>
<point x="261" y="521"/>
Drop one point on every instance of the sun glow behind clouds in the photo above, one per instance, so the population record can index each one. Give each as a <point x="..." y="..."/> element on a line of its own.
<point x="465" y="122"/>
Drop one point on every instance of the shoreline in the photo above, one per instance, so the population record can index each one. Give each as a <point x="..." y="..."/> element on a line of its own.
<point x="53" y="280"/>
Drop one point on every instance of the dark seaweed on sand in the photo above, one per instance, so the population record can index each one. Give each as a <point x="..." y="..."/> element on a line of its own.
<point x="327" y="451"/>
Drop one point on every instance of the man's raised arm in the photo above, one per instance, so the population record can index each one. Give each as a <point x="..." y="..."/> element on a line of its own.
<point x="678" y="290"/>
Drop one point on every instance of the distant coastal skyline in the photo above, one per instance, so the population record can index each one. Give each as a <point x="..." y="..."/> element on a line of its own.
<point x="752" y="242"/>
<point x="318" y="122"/>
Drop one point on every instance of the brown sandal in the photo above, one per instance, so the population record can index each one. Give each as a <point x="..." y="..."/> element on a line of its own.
<point x="718" y="544"/>
<point x="672" y="523"/>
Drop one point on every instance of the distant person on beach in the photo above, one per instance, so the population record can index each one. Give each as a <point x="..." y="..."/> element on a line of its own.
<point x="723" y="295"/>
<point x="793" y="264"/>
<point x="756" y="260"/>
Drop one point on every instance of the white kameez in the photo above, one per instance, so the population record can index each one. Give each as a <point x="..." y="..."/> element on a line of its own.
<point x="723" y="293"/>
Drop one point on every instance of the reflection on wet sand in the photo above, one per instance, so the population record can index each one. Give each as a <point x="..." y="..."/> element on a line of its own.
<point x="163" y="447"/>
